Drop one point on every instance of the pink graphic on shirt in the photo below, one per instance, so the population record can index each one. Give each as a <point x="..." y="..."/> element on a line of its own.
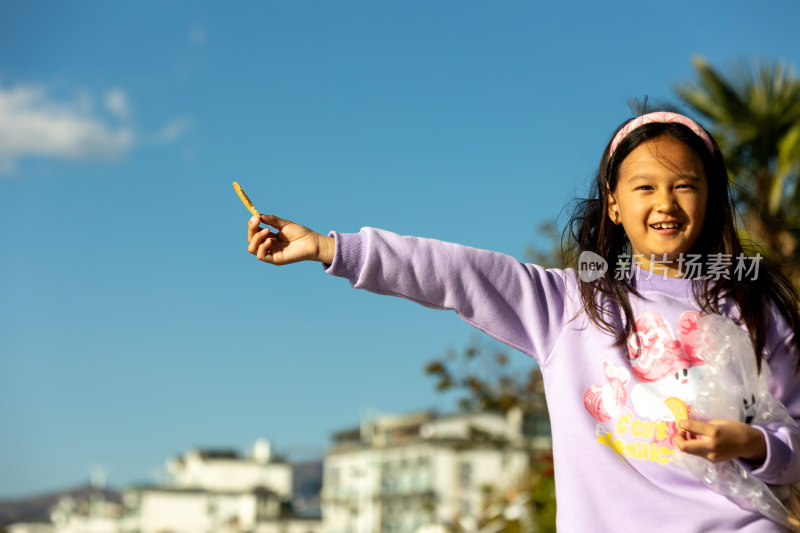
<point x="665" y="366"/>
<point x="655" y="353"/>
<point x="689" y="333"/>
<point x="605" y="402"/>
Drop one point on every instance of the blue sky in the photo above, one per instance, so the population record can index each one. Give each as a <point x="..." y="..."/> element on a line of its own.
<point x="134" y="324"/>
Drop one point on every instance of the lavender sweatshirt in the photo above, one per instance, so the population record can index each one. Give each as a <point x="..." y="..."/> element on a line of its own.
<point x="612" y="433"/>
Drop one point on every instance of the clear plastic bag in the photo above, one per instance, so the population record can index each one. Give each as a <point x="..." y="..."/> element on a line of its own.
<point x="733" y="389"/>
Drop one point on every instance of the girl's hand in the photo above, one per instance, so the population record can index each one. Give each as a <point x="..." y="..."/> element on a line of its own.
<point x="722" y="440"/>
<point x="290" y="244"/>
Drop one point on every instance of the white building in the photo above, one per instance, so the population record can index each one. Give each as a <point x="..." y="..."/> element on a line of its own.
<point x="210" y="491"/>
<point x="93" y="516"/>
<point x="215" y="491"/>
<point x="81" y="512"/>
<point x="31" y="527"/>
<point x="403" y="473"/>
<point x="224" y="470"/>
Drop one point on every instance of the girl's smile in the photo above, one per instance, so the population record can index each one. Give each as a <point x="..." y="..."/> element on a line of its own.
<point x="660" y="200"/>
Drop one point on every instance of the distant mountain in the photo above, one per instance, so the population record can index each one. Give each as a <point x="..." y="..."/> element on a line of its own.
<point x="37" y="508"/>
<point x="307" y="482"/>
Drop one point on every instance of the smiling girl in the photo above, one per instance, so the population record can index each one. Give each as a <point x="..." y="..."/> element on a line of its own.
<point x="609" y="348"/>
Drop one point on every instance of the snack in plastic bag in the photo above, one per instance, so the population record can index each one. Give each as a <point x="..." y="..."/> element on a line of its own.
<point x="678" y="408"/>
<point x="733" y="389"/>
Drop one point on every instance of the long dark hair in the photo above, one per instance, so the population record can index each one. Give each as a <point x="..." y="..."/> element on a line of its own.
<point x="590" y="228"/>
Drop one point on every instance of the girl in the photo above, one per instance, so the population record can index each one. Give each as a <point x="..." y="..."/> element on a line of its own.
<point x="612" y="349"/>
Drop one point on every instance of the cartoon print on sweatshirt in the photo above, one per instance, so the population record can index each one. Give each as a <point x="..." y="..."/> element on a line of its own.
<point x="605" y="402"/>
<point x="663" y="367"/>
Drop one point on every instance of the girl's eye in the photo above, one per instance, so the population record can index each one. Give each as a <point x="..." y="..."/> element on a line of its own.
<point x="644" y="188"/>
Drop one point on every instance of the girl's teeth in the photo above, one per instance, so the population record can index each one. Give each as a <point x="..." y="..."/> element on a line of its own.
<point x="665" y="226"/>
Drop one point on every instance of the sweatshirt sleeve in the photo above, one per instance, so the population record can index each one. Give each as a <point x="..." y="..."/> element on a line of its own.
<point x="782" y="464"/>
<point x="518" y="304"/>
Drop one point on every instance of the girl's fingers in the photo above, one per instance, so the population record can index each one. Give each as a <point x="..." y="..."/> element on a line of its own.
<point x="685" y="442"/>
<point x="275" y="222"/>
<point x="257" y="240"/>
<point x="263" y="251"/>
<point x="702" y="448"/>
<point x="252" y="227"/>
<point x="694" y="447"/>
<point x="264" y="244"/>
<point x="697" y="427"/>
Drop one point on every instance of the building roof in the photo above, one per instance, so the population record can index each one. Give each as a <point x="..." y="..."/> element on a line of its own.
<point x="197" y="490"/>
<point x="209" y="454"/>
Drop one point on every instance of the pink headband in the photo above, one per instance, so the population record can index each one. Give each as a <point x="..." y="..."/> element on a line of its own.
<point x="661" y="116"/>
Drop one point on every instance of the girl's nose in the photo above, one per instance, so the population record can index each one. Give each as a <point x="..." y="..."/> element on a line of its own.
<point x="666" y="202"/>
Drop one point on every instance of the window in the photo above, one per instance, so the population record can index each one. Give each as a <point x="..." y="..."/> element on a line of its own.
<point x="465" y="475"/>
<point x="333" y="477"/>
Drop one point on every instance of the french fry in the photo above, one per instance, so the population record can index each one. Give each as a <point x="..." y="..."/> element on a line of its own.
<point x="678" y="408"/>
<point x="245" y="200"/>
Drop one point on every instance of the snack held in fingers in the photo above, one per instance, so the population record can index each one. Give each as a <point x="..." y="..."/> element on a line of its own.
<point x="678" y="408"/>
<point x="245" y="200"/>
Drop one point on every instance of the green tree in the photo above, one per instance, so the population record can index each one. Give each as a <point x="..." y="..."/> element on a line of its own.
<point x="487" y="382"/>
<point x="529" y="507"/>
<point x="755" y="116"/>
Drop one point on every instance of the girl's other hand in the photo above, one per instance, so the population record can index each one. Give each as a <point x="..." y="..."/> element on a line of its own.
<point x="290" y="244"/>
<point x="722" y="440"/>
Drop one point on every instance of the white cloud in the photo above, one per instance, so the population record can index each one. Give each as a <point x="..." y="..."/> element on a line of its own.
<point x="172" y="130"/>
<point x="117" y="103"/>
<point x="34" y="124"/>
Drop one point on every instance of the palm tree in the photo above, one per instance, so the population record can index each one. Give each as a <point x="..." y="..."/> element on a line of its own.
<point x="755" y="117"/>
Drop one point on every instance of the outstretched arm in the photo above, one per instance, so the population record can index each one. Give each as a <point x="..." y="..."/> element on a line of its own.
<point x="291" y="242"/>
<point x="521" y="305"/>
<point x="524" y="306"/>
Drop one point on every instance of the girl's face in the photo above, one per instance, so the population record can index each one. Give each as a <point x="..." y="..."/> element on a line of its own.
<point x="660" y="200"/>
